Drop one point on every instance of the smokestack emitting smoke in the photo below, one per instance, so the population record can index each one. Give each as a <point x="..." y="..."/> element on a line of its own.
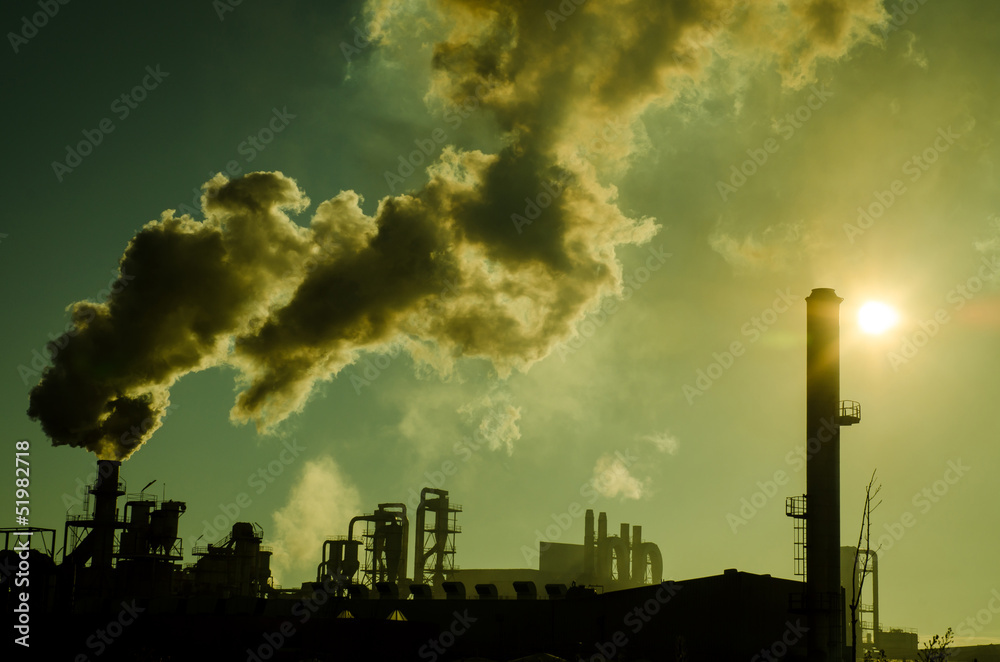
<point x="289" y="306"/>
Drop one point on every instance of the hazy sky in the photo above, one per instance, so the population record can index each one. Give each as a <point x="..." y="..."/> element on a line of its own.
<point x="594" y="296"/>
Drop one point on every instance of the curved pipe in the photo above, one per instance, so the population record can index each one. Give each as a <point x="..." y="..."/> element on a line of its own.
<point x="359" y="518"/>
<point x="419" y="558"/>
<point x="651" y="553"/>
<point x="618" y="548"/>
<point x="404" y="559"/>
<point x="346" y="558"/>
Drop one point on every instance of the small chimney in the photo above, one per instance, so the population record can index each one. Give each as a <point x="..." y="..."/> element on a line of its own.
<point x="106" y="491"/>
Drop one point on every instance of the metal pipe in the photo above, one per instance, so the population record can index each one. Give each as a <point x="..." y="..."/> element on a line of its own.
<point x="638" y="559"/>
<point x="625" y="559"/>
<point x="875" y="622"/>
<point x="618" y="548"/>
<point x="419" y="557"/>
<point x="650" y="553"/>
<point x="405" y="522"/>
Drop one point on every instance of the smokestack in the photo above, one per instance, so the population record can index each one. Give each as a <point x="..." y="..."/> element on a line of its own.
<point x="603" y="571"/>
<point x="106" y="492"/>
<point x="588" y="547"/>
<point x="823" y="474"/>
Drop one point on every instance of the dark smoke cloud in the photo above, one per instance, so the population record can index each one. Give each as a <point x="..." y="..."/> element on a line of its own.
<point x="191" y="286"/>
<point x="442" y="271"/>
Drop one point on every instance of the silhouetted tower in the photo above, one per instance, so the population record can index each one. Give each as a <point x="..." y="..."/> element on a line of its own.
<point x="97" y="546"/>
<point x="868" y="630"/>
<point x="394" y="532"/>
<point x="106" y="491"/>
<point x="434" y="546"/>
<point x="385" y="544"/>
<point x="824" y="416"/>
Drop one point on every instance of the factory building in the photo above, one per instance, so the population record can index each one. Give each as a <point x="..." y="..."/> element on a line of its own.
<point x="602" y="599"/>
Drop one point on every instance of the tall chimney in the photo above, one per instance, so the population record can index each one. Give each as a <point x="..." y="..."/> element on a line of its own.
<point x="603" y="569"/>
<point x="823" y="474"/>
<point x="588" y="547"/>
<point x="106" y="492"/>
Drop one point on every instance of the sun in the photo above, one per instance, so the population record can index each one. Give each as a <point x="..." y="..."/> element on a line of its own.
<point x="876" y="317"/>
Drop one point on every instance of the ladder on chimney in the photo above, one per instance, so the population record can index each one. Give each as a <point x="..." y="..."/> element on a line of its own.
<point x="795" y="507"/>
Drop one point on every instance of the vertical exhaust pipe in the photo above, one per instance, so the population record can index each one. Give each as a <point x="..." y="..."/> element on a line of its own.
<point x="638" y="558"/>
<point x="823" y="474"/>
<point x="624" y="559"/>
<point x="106" y="492"/>
<point x="603" y="569"/>
<point x="588" y="548"/>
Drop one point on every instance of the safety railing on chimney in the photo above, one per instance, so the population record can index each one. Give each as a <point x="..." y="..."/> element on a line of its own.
<point x="850" y="412"/>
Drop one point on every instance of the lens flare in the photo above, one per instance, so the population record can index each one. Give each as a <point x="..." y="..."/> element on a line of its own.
<point x="876" y="317"/>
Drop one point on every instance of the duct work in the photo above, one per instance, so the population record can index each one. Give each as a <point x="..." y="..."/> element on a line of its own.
<point x="617" y="561"/>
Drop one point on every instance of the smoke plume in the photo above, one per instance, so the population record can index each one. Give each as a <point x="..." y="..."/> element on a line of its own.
<point x="306" y="520"/>
<point x="497" y="256"/>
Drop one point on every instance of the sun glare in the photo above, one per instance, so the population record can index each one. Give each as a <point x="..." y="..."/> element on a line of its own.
<point x="876" y="317"/>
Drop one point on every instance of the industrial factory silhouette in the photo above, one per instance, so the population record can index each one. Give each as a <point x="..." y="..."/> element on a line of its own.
<point x="117" y="587"/>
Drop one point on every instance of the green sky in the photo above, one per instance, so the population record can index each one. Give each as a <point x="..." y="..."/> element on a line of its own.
<point x="609" y="311"/>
